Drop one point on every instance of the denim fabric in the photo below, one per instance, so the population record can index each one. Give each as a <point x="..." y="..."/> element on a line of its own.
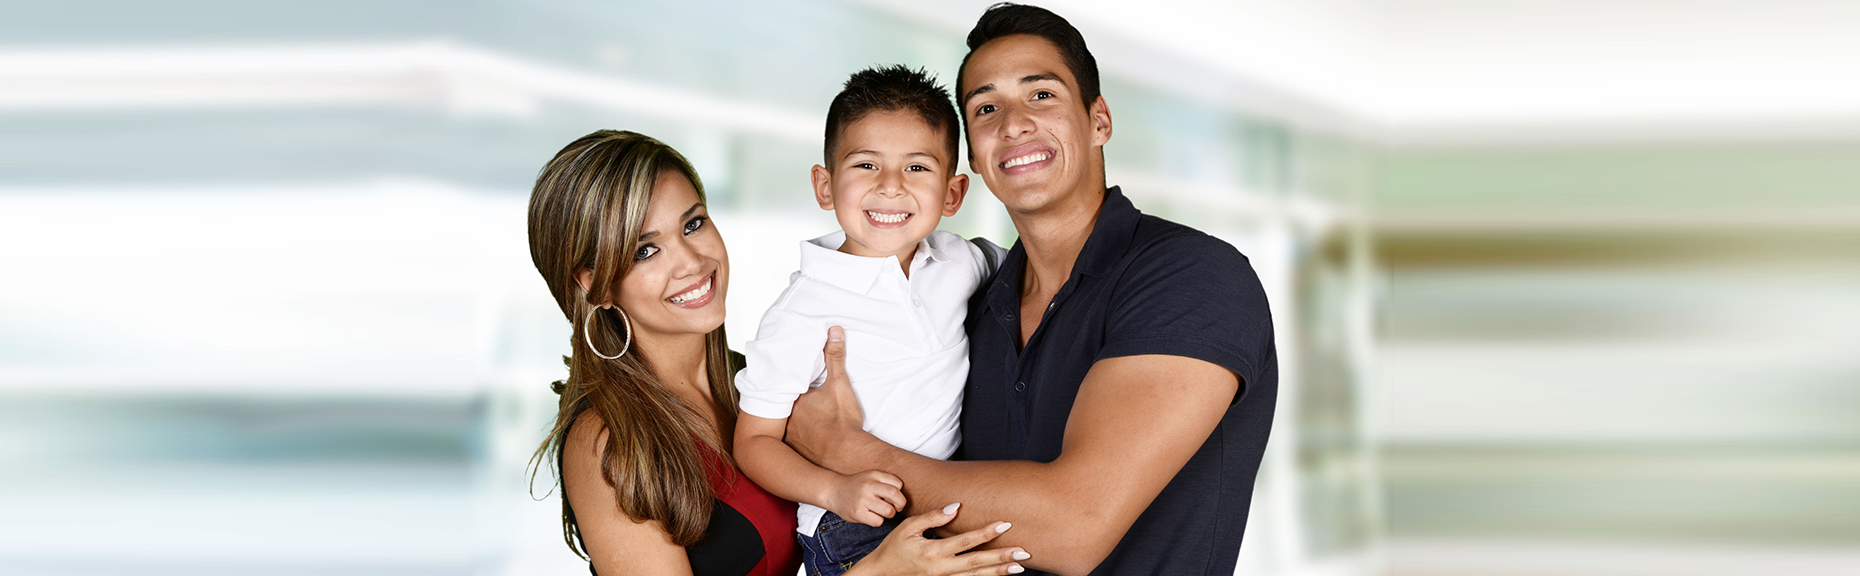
<point x="838" y="544"/>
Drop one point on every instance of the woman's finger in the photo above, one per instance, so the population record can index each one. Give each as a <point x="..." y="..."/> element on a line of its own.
<point x="1004" y="561"/>
<point x="925" y="521"/>
<point x="971" y="539"/>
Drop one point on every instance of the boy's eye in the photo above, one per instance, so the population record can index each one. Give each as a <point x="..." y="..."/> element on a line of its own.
<point x="645" y="252"/>
<point x="1042" y="95"/>
<point x="985" y="109"/>
<point x="866" y="165"/>
<point x="918" y="168"/>
<point x="695" y="224"/>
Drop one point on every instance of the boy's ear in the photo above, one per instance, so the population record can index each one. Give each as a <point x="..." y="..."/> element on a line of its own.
<point x="823" y="193"/>
<point x="958" y="188"/>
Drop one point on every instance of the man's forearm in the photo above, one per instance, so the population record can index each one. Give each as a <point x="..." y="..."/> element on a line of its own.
<point x="1063" y="522"/>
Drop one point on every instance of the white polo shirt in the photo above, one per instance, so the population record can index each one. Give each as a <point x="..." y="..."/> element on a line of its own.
<point x="906" y="351"/>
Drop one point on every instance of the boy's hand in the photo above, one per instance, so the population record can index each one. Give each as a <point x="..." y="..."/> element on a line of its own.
<point x="867" y="497"/>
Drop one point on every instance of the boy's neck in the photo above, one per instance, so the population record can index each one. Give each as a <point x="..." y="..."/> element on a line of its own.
<point x="904" y="258"/>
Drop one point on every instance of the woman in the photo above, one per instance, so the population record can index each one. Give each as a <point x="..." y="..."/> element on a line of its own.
<point x="619" y="231"/>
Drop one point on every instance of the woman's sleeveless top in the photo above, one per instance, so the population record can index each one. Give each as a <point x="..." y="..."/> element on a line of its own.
<point x="751" y="531"/>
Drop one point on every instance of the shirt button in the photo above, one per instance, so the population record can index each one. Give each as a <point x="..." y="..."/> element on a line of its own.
<point x="1020" y="386"/>
<point x="917" y="302"/>
<point x="1009" y="317"/>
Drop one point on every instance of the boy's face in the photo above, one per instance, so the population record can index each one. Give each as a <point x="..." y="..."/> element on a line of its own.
<point x="891" y="182"/>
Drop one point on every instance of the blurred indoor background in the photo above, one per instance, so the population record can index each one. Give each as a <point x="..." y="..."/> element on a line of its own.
<point x="1562" y="287"/>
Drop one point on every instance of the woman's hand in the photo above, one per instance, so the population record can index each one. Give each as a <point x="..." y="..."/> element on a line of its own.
<point x="868" y="497"/>
<point x="907" y="552"/>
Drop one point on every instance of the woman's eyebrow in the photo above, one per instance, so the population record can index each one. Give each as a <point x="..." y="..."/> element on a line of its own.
<point x="688" y="212"/>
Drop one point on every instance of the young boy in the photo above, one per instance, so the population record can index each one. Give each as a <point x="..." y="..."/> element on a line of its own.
<point x="898" y="286"/>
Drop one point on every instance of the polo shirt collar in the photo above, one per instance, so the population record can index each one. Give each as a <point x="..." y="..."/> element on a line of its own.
<point x="1110" y="235"/>
<point x="821" y="259"/>
<point x="1109" y="240"/>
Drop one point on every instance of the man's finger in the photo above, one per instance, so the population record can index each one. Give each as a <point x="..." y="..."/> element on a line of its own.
<point x="836" y="355"/>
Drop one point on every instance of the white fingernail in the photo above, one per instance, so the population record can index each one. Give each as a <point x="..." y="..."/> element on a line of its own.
<point x="1021" y="555"/>
<point x="950" y="510"/>
<point x="1016" y="569"/>
<point x="1002" y="528"/>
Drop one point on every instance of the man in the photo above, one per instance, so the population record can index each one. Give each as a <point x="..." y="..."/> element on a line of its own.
<point x="1122" y="370"/>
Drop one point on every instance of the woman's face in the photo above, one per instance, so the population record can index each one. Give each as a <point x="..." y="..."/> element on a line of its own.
<point x="680" y="270"/>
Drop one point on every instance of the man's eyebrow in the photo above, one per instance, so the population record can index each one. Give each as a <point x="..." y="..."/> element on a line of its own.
<point x="686" y="216"/>
<point x="1028" y="79"/>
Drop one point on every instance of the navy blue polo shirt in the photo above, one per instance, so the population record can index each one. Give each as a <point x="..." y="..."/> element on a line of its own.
<point x="1141" y="285"/>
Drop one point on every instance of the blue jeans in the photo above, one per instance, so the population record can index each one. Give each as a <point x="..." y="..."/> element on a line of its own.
<point x="838" y="544"/>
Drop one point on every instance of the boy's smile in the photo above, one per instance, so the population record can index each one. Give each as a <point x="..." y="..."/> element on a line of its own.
<point x="891" y="183"/>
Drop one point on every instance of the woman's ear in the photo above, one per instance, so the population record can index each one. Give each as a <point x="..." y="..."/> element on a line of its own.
<point x="585" y="279"/>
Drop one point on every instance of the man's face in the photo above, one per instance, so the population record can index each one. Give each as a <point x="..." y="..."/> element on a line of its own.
<point x="1030" y="137"/>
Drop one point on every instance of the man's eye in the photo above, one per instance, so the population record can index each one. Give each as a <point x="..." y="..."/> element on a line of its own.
<point x="645" y="252"/>
<point x="985" y="109"/>
<point x="1042" y="95"/>
<point x="695" y="224"/>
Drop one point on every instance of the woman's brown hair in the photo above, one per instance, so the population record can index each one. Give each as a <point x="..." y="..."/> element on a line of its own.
<point x="585" y="213"/>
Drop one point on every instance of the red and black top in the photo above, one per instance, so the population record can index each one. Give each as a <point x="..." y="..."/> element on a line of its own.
<point x="751" y="531"/>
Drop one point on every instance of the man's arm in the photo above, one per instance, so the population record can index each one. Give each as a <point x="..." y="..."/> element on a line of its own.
<point x="1136" y="421"/>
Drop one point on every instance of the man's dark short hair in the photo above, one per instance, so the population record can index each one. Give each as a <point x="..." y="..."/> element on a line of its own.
<point x="1007" y="19"/>
<point x="893" y="89"/>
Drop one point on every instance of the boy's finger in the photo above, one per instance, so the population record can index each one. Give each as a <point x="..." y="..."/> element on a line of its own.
<point x="888" y="478"/>
<point x="892" y="496"/>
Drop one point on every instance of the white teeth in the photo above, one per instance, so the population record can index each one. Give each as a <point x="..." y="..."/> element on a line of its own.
<point x="1028" y="159"/>
<point x="888" y="218"/>
<point x="694" y="294"/>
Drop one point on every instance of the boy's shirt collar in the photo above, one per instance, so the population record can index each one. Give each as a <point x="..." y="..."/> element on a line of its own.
<point x="821" y="259"/>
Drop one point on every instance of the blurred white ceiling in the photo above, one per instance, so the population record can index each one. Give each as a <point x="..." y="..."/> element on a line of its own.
<point x="1443" y="72"/>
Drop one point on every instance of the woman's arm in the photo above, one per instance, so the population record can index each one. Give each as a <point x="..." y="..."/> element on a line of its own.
<point x="616" y="544"/>
<point x="867" y="497"/>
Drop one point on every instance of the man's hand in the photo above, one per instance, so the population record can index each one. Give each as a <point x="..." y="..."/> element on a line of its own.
<point x="827" y="421"/>
<point x="868" y="497"/>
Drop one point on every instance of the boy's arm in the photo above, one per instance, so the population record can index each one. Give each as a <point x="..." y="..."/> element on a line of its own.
<point x="867" y="497"/>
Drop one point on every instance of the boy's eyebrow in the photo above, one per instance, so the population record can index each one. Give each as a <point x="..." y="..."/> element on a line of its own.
<point x="985" y="88"/>
<point x="877" y="153"/>
<point x="686" y="216"/>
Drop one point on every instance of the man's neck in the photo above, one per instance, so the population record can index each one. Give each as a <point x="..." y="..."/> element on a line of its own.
<point x="1053" y="240"/>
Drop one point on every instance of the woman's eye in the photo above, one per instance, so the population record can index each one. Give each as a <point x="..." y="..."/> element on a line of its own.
<point x="695" y="224"/>
<point x="645" y="252"/>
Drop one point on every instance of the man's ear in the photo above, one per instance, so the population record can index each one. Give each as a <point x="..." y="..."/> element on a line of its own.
<point x="823" y="193"/>
<point x="1100" y="122"/>
<point x="958" y="188"/>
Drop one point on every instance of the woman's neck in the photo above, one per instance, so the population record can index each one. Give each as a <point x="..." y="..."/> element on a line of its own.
<point x="682" y="367"/>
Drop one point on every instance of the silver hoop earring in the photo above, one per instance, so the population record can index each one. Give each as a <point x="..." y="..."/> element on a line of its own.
<point x="587" y="333"/>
